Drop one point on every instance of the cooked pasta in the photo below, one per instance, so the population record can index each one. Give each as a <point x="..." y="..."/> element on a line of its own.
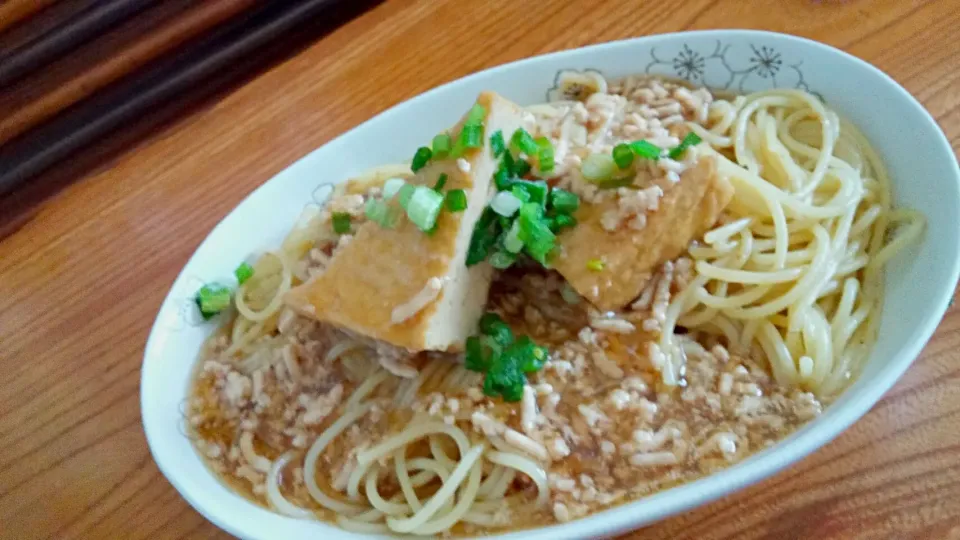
<point x="742" y="335"/>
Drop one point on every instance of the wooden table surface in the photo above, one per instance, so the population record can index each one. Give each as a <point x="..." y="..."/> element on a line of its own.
<point x="81" y="283"/>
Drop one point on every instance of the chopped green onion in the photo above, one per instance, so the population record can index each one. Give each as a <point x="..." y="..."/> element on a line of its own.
<point x="520" y="193"/>
<point x="341" y="222"/>
<point x="441" y="145"/>
<point x="562" y="221"/>
<point x="420" y="158"/>
<point x="511" y="239"/>
<point x="520" y="167"/>
<point x="529" y="356"/>
<point x="424" y="207"/>
<point x="598" y="168"/>
<point x="492" y="344"/>
<point x="382" y="213"/>
<point x="522" y="141"/>
<point x="502" y="260"/>
<point x="507" y="379"/>
<point x="456" y="200"/>
<point x="535" y="232"/>
<point x="403" y="196"/>
<point x="504" y="359"/>
<point x="595" y="265"/>
<point x="623" y="155"/>
<point x="563" y="201"/>
<point x="537" y="190"/>
<point x="545" y="155"/>
<point x="243" y="273"/>
<point x="442" y="181"/>
<point x="492" y="325"/>
<point x="488" y="321"/>
<point x="212" y="299"/>
<point x="379" y="212"/>
<point x="484" y="237"/>
<point x="497" y="144"/>
<point x="475" y="359"/>
<point x="490" y="388"/>
<point x="476" y="115"/>
<point x="392" y="186"/>
<point x="507" y="163"/>
<point x="691" y="139"/>
<point x="502" y="179"/>
<point x="646" y="150"/>
<point x="514" y="392"/>
<point x="505" y="203"/>
<point x="471" y="136"/>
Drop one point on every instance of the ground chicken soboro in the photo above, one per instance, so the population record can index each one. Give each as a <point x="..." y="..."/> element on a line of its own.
<point x="596" y="418"/>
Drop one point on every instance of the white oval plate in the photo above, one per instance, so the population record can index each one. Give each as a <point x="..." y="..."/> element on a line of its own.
<point x="919" y="282"/>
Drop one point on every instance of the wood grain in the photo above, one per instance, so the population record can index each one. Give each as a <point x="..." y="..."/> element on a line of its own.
<point x="14" y="11"/>
<point x="117" y="53"/>
<point x="81" y="282"/>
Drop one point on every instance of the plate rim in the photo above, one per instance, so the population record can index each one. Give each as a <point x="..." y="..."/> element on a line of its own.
<point x="617" y="519"/>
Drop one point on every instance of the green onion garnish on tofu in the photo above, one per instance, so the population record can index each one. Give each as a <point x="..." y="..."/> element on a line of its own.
<point x="212" y="299"/>
<point x="504" y="358"/>
<point x="511" y="238"/>
<point x="692" y="139"/>
<point x="404" y="195"/>
<point x="392" y="186"/>
<point x="545" y="154"/>
<point x="243" y="273"/>
<point x="520" y="167"/>
<point x="563" y="201"/>
<point x="524" y="216"/>
<point x="484" y="237"/>
<point x="506" y="203"/>
<point x="501" y="260"/>
<point x="519" y="192"/>
<point x="476" y="115"/>
<point x="536" y="191"/>
<point x="442" y="145"/>
<point x="341" y="222"/>
<point x="522" y="141"/>
<point x="456" y="200"/>
<point x="424" y="207"/>
<point x="538" y="239"/>
<point x="471" y="134"/>
<point x="497" y="143"/>
<point x="502" y="180"/>
<point x="420" y="158"/>
<point x="561" y="222"/>
<point x="374" y="210"/>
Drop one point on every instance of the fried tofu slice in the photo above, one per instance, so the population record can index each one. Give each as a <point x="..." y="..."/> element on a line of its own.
<point x="630" y="256"/>
<point x="406" y="287"/>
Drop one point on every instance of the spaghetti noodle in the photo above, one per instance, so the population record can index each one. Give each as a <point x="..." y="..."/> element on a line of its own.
<point x="306" y="419"/>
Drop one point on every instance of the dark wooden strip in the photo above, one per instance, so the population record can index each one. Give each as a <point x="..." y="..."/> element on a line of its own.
<point x="14" y="11"/>
<point x="41" y="22"/>
<point x="107" y="59"/>
<point x="60" y="40"/>
<point x="19" y="198"/>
